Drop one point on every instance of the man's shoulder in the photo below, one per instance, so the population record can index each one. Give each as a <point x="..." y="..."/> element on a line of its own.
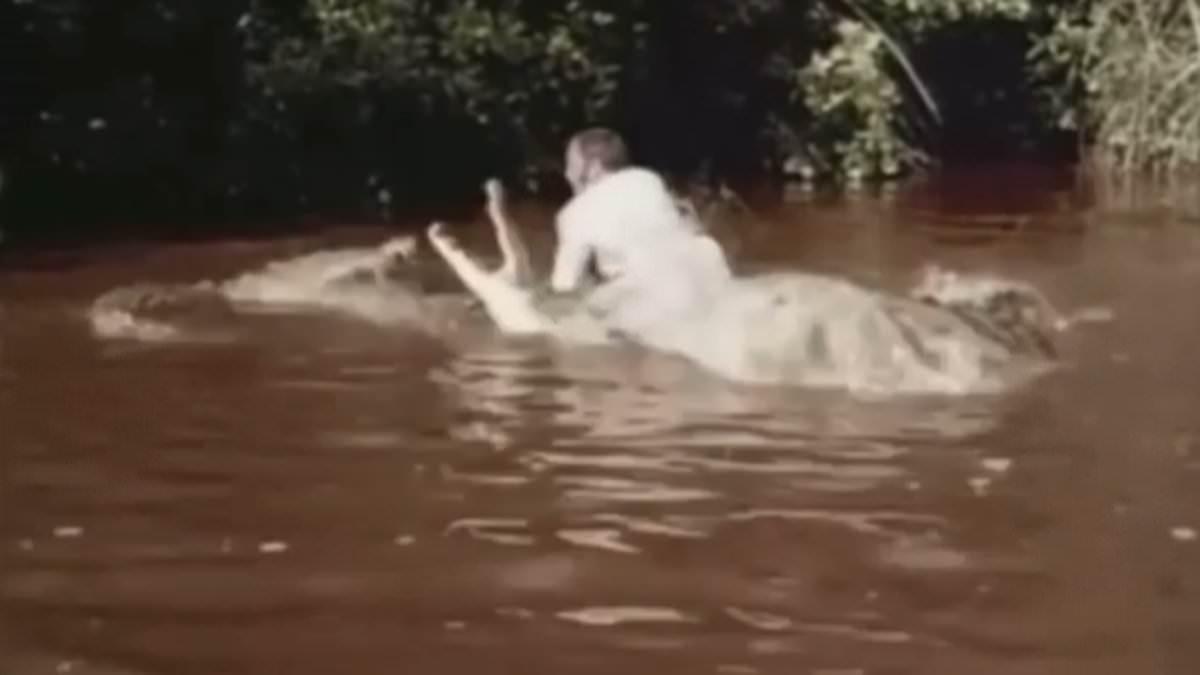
<point x="630" y="199"/>
<point x="632" y="187"/>
<point x="634" y="179"/>
<point x="637" y="174"/>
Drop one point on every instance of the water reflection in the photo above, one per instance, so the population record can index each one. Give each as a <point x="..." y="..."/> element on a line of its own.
<point x="625" y="428"/>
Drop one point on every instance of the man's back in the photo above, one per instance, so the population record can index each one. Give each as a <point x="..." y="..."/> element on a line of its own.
<point x="630" y="223"/>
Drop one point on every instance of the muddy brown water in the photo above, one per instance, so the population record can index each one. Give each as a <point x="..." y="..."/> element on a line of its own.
<point x="319" y="494"/>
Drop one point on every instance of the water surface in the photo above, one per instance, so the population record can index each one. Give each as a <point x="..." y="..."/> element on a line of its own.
<point x="315" y="492"/>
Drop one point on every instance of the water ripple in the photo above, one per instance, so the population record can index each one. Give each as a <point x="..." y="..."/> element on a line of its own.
<point x="494" y="530"/>
<point x="613" y="616"/>
<point x="650" y="527"/>
<point x="605" y="539"/>
<point x="871" y="522"/>
<point x="608" y="489"/>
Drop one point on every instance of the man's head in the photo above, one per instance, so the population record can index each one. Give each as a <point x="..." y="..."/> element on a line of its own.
<point x="592" y="154"/>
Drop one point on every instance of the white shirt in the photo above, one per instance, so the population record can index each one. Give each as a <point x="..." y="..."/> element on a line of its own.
<point x="661" y="269"/>
<point x="629" y="223"/>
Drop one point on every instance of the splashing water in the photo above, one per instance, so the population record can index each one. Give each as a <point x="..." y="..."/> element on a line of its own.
<point x="966" y="335"/>
<point x="953" y="334"/>
<point x="377" y="284"/>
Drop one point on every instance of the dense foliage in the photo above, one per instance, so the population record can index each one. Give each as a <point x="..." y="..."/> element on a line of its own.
<point x="823" y="88"/>
<point x="250" y="110"/>
<point x="1131" y="70"/>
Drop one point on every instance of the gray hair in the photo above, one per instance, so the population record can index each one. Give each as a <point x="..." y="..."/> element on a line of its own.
<point x="603" y="146"/>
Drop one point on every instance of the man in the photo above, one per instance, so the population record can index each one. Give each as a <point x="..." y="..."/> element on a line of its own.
<point x="666" y="287"/>
<point x="654" y="261"/>
<point x="621" y="217"/>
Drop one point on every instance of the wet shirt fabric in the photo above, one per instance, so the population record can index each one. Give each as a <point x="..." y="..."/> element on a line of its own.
<point x="658" y="266"/>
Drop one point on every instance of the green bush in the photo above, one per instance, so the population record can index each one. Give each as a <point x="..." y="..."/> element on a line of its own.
<point x="841" y="97"/>
<point x="253" y="110"/>
<point x="1125" y="75"/>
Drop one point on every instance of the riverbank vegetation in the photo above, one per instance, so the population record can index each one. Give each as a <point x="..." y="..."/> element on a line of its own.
<point x="251" y="111"/>
<point x="1126" y="73"/>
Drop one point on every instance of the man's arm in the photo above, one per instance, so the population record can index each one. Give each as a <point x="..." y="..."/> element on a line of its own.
<point x="574" y="225"/>
<point x="570" y="263"/>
